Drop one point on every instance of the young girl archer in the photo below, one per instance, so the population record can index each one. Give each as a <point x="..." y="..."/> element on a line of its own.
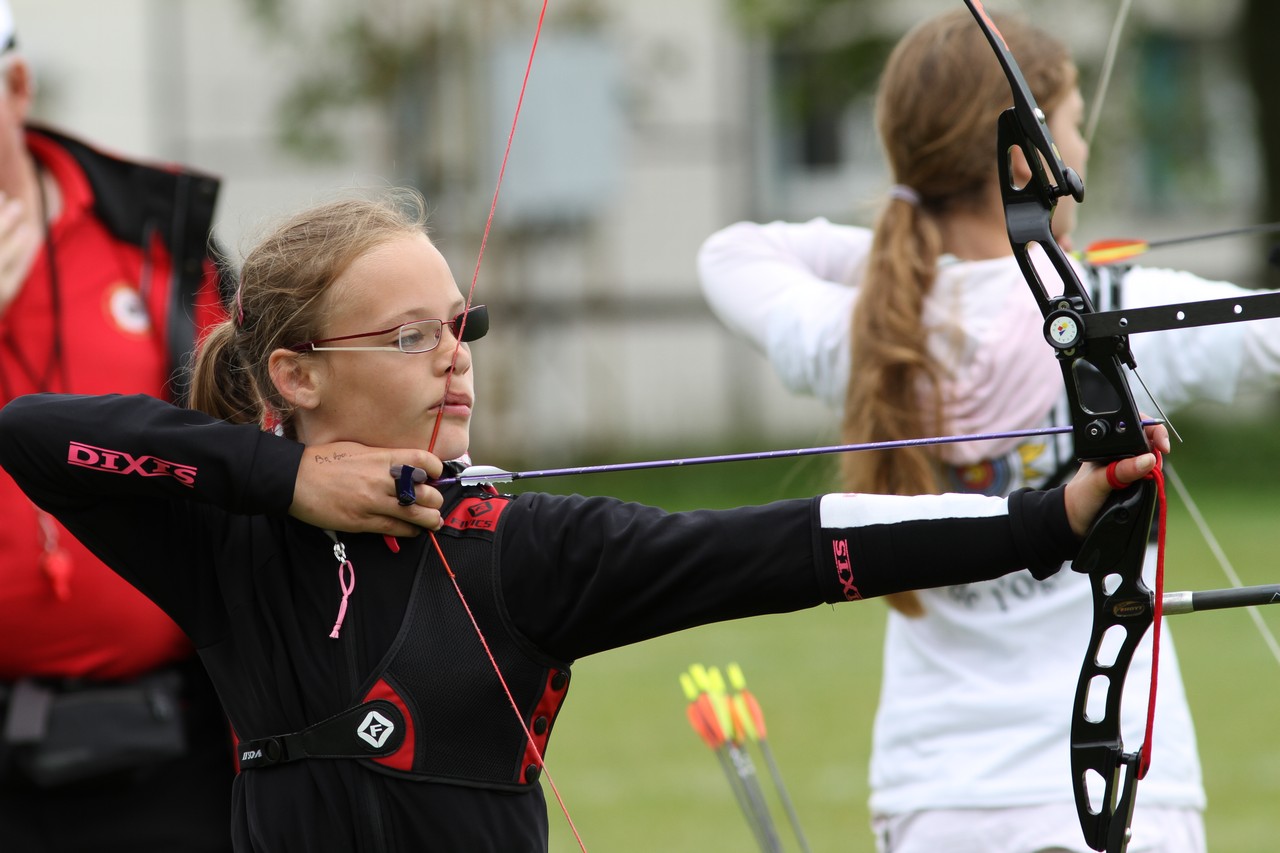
<point x="367" y="713"/>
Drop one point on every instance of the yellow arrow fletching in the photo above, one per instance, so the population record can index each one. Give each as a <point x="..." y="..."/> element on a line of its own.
<point x="699" y="674"/>
<point x="736" y="679"/>
<point x="719" y="699"/>
<point x="746" y="705"/>
<point x="741" y="711"/>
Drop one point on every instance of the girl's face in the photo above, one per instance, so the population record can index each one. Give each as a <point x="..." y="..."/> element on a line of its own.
<point x="1065" y="124"/>
<point x="392" y="398"/>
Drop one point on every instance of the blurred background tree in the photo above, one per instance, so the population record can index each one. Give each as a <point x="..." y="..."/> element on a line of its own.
<point x="392" y="56"/>
<point x="1257" y="32"/>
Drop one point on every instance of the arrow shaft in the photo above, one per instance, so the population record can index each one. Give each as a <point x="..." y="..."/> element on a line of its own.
<point x="743" y="796"/>
<point x="769" y="840"/>
<point x="787" y="805"/>
<point x="1266" y="228"/>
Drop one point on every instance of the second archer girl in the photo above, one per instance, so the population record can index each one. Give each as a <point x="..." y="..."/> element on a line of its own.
<point x="924" y="325"/>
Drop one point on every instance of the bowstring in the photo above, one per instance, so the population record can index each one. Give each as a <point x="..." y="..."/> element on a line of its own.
<point x="1157" y="618"/>
<point x="435" y="431"/>
<point x="1108" y="65"/>
<point x="1221" y="556"/>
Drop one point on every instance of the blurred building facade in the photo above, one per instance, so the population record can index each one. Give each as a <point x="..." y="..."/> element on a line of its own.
<point x="646" y="126"/>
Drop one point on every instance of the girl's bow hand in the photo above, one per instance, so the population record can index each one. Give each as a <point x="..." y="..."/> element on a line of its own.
<point x="1089" y="488"/>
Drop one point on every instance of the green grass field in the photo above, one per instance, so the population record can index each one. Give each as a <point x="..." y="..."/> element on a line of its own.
<point x="635" y="777"/>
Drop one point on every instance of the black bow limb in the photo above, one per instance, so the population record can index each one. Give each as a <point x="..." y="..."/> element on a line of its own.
<point x="1124" y="607"/>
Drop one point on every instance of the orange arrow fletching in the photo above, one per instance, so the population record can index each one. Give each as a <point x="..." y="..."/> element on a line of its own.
<point x="701" y="718"/>
<point x="743" y="725"/>
<point x="700" y="726"/>
<point x="711" y="720"/>
<point x="1103" y="252"/>
<point x="757" y="715"/>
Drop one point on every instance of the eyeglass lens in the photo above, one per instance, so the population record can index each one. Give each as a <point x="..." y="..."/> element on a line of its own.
<point x="424" y="335"/>
<point x="421" y="336"/>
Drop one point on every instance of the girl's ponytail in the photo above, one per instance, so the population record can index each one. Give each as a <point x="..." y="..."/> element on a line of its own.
<point x="221" y="384"/>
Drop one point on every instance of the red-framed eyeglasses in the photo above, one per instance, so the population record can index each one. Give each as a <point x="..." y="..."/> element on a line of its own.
<point x="417" y="336"/>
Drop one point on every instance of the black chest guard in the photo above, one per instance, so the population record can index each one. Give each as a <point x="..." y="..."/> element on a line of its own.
<point x="434" y="710"/>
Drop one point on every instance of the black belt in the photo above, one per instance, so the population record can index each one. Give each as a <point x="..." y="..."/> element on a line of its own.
<point x="53" y="732"/>
<point x="370" y="730"/>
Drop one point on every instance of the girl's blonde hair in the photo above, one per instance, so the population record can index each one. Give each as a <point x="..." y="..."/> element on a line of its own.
<point x="280" y="301"/>
<point x="940" y="96"/>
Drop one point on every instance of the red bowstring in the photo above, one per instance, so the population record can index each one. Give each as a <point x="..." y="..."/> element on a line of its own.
<point x="1157" y="474"/>
<point x="435" y="431"/>
<point x="507" y="690"/>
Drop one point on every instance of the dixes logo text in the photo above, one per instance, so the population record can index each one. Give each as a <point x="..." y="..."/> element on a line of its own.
<point x="844" y="569"/>
<point x="119" y="462"/>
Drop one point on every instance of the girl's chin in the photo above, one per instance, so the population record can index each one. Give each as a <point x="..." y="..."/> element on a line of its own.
<point x="450" y="443"/>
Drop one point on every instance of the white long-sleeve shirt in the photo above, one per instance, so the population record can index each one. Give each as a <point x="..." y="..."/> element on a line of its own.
<point x="975" y="704"/>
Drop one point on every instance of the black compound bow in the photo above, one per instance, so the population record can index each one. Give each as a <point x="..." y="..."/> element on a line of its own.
<point x="1093" y="350"/>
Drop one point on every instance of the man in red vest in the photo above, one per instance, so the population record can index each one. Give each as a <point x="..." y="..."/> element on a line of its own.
<point x="111" y="737"/>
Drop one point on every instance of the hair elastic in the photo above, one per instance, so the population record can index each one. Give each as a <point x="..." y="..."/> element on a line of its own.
<point x="902" y="192"/>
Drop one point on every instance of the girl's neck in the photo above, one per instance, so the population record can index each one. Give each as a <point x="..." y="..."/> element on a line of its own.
<point x="975" y="235"/>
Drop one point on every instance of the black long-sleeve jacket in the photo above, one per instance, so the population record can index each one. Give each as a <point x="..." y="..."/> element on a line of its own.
<point x="193" y="512"/>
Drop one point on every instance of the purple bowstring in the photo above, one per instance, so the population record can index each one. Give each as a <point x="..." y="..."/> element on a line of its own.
<point x="762" y="454"/>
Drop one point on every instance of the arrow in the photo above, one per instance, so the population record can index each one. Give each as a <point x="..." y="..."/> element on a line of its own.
<point x="476" y="475"/>
<point x="1102" y="253"/>
<point x="750" y="717"/>
<point x="712" y="719"/>
<point x="702" y="719"/>
<point x="713" y="684"/>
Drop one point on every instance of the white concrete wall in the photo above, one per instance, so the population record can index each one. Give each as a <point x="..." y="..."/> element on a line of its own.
<point x="193" y="80"/>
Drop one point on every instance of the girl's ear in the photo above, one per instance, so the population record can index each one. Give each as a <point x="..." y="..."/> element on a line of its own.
<point x="296" y="377"/>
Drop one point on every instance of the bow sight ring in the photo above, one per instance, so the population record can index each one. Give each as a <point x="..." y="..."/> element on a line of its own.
<point x="1063" y="329"/>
